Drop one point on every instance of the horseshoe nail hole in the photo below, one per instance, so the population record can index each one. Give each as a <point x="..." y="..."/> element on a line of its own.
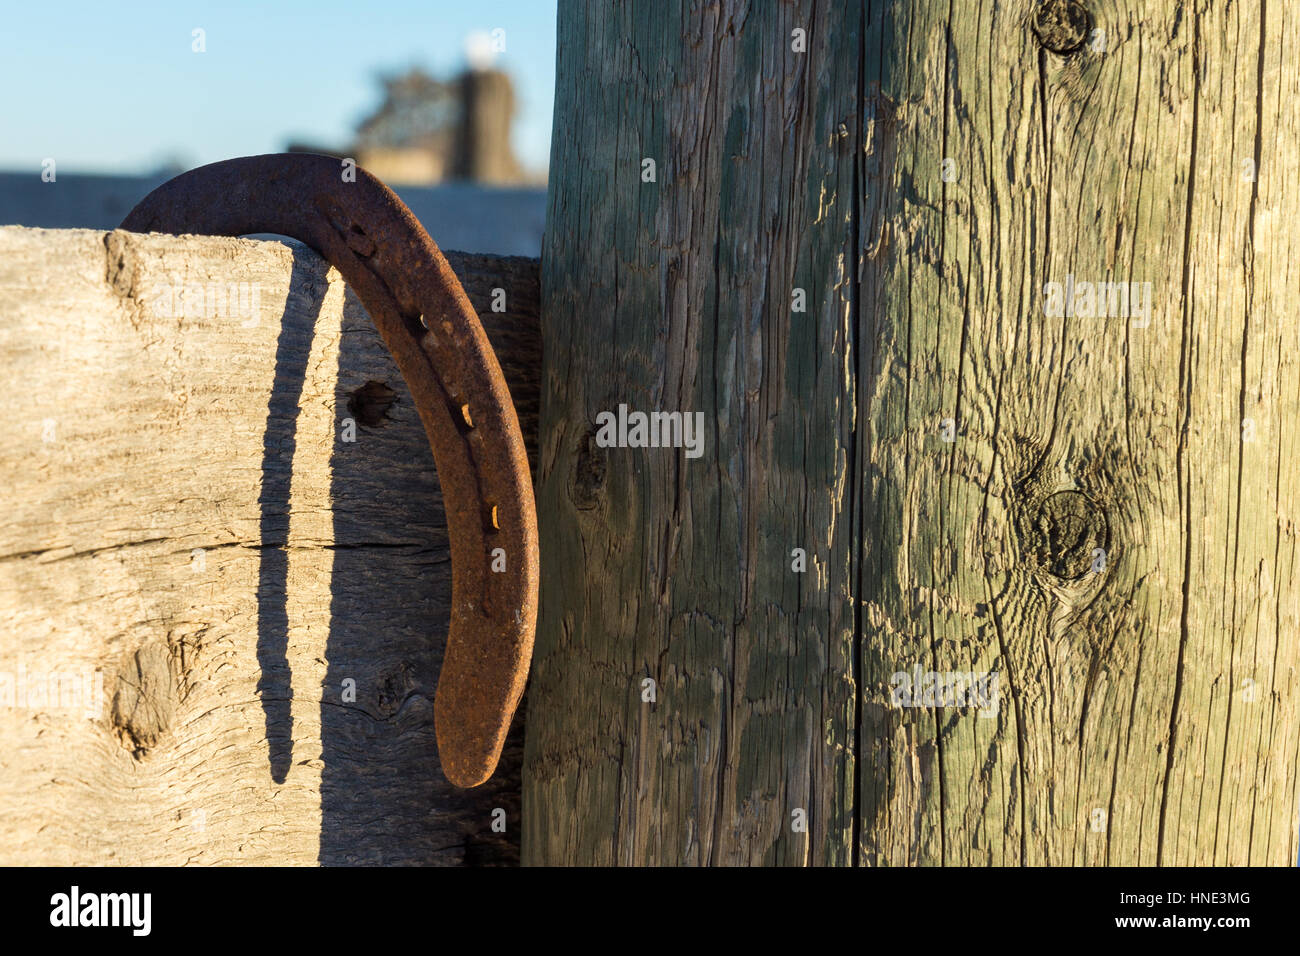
<point x="417" y="326"/>
<point x="370" y="403"/>
<point x="359" y="242"/>
<point x="464" y="413"/>
<point x="493" y="520"/>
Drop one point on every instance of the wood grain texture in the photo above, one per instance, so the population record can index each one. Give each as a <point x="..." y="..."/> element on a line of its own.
<point x="1147" y="709"/>
<point x="677" y="297"/>
<point x="186" y="517"/>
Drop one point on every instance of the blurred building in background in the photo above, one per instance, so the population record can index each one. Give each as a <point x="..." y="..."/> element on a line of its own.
<point x="443" y="145"/>
<point x="429" y="131"/>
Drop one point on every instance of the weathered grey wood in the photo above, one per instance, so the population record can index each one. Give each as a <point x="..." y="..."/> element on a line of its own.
<point x="1148" y="709"/>
<point x="677" y="297"/>
<point x="184" y="517"/>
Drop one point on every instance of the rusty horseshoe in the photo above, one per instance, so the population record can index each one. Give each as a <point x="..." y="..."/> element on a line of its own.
<point x="424" y="317"/>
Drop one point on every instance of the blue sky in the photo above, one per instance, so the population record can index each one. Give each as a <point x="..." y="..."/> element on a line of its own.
<point x="115" y="87"/>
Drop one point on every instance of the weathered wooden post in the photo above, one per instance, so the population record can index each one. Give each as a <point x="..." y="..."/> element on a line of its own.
<point x="987" y="309"/>
<point x="224" y="564"/>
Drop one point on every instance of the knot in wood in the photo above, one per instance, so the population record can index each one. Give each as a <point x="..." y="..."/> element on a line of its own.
<point x="1061" y="25"/>
<point x="1068" y="527"/>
